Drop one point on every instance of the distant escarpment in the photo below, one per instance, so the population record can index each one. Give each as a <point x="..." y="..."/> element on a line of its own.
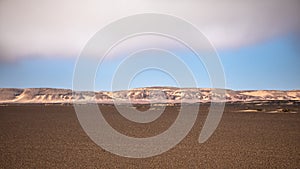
<point x="140" y="95"/>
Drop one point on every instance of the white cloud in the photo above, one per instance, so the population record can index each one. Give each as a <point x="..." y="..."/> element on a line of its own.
<point x="60" y="28"/>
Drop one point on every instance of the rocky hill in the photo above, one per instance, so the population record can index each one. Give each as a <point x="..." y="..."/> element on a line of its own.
<point x="139" y="95"/>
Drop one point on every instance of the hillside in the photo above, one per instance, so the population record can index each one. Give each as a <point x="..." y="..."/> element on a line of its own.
<point x="140" y="95"/>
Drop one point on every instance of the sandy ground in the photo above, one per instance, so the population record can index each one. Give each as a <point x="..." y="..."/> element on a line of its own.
<point x="39" y="136"/>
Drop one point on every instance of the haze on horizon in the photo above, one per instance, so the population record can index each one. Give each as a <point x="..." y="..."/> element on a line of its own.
<point x="257" y="41"/>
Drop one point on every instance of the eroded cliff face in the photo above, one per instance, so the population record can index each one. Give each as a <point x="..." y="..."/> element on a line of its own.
<point x="151" y="94"/>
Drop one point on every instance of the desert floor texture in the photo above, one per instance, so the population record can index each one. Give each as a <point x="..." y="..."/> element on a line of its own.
<point x="250" y="135"/>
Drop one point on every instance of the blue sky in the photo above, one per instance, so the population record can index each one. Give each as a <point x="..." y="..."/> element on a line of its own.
<point x="272" y="64"/>
<point x="257" y="41"/>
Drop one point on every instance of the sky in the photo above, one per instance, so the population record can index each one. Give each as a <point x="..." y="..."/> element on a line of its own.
<point x="258" y="42"/>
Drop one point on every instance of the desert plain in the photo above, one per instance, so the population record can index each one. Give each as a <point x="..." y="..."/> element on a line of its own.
<point x="254" y="133"/>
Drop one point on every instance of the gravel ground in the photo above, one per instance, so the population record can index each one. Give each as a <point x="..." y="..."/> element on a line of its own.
<point x="50" y="136"/>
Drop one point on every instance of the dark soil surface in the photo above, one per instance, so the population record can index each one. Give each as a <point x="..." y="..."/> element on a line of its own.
<point x="50" y="136"/>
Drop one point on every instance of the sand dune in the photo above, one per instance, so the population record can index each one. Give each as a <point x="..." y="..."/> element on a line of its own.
<point x="140" y="95"/>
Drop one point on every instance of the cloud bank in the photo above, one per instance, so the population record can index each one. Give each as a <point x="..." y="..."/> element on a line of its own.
<point x="61" y="28"/>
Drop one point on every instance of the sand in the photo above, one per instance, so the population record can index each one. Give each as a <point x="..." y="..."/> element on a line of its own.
<point x="39" y="136"/>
